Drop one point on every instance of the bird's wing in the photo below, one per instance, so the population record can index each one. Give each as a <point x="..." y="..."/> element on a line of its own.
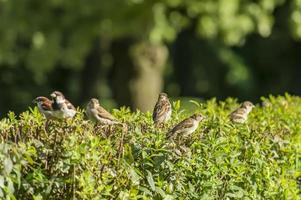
<point x="240" y="115"/>
<point x="160" y="109"/>
<point x="185" y="124"/>
<point x="103" y="113"/>
<point x="238" y="112"/>
<point x="69" y="105"/>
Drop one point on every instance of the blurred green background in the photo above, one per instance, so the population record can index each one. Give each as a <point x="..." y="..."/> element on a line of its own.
<point x="126" y="51"/>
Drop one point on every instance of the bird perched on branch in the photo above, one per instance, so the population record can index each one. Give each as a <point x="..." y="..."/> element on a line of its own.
<point x="98" y="114"/>
<point x="240" y="115"/>
<point x="162" y="110"/>
<point x="45" y="106"/>
<point x="186" y="127"/>
<point x="62" y="107"/>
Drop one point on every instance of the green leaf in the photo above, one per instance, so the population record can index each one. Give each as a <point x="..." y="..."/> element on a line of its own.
<point x="8" y="165"/>
<point x="238" y="192"/>
<point x="177" y="105"/>
<point x="168" y="197"/>
<point x="145" y="190"/>
<point x="1" y="181"/>
<point x="135" y="178"/>
<point x="1" y="193"/>
<point x="197" y="104"/>
<point x="38" y="197"/>
<point x="150" y="180"/>
<point x="10" y="186"/>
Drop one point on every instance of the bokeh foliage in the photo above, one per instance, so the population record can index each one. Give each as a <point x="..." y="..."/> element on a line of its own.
<point x="51" y="44"/>
<point x="58" y="31"/>
<point x="78" y="160"/>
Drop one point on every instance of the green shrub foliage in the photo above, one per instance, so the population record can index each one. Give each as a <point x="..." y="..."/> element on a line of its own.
<point x="76" y="159"/>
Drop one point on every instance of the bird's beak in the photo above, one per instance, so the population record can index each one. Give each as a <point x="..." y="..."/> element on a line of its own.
<point x="34" y="101"/>
<point x="52" y="95"/>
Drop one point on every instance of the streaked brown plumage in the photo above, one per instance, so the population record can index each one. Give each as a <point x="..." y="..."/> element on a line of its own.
<point x="98" y="114"/>
<point x="240" y="115"/>
<point x="162" y="110"/>
<point x="45" y="106"/>
<point x="186" y="127"/>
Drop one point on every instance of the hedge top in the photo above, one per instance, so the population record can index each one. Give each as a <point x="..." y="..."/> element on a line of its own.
<point x="76" y="159"/>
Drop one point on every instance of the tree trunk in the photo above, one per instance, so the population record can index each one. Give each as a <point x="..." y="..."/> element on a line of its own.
<point x="138" y="73"/>
<point x="149" y="61"/>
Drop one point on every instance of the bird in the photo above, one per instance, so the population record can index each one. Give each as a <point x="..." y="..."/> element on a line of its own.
<point x="240" y="115"/>
<point x="45" y="106"/>
<point x="266" y="104"/>
<point x="162" y="110"/>
<point x="98" y="114"/>
<point x="186" y="127"/>
<point x="61" y="106"/>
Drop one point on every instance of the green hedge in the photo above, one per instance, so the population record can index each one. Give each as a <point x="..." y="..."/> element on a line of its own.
<point x="75" y="159"/>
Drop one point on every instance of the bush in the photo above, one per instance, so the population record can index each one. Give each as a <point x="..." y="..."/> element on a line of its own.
<point x="76" y="159"/>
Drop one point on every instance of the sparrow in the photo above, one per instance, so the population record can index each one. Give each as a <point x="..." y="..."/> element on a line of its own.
<point x="266" y="104"/>
<point x="186" y="127"/>
<point x="45" y="106"/>
<point x="61" y="106"/>
<point x="98" y="114"/>
<point x="162" y="110"/>
<point x="240" y="115"/>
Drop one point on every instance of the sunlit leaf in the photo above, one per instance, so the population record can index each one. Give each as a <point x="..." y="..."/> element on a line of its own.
<point x="8" y="165"/>
<point x="150" y="180"/>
